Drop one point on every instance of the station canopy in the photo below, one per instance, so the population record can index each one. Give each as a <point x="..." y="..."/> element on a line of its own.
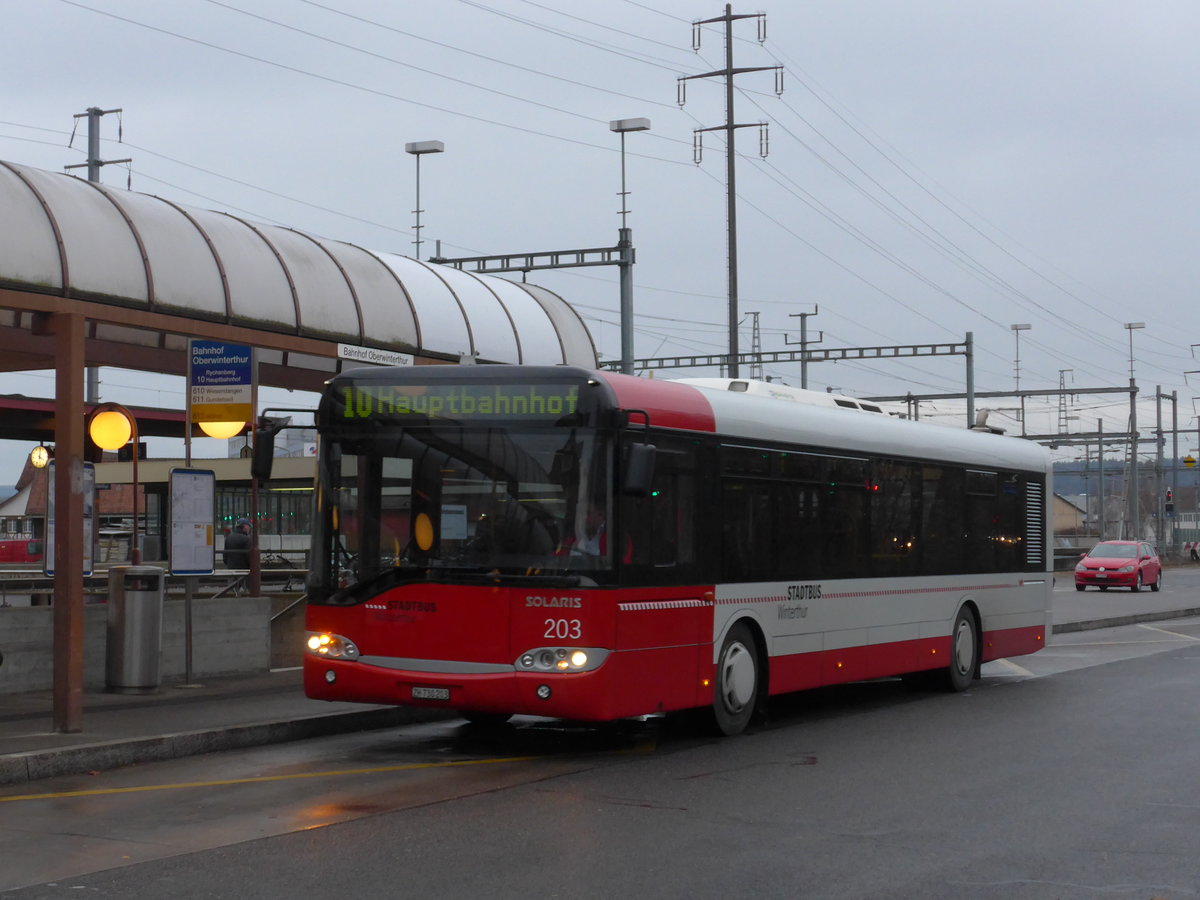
<point x="148" y="273"/>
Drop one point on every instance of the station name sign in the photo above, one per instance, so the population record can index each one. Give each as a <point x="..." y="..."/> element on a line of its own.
<point x="220" y="381"/>
<point x="374" y="356"/>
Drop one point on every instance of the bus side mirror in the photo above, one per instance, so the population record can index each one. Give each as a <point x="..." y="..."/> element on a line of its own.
<point x="264" y="448"/>
<point x="639" y="470"/>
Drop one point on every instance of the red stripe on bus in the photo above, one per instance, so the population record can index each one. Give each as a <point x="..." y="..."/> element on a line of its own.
<point x="669" y="405"/>
<point x="804" y="671"/>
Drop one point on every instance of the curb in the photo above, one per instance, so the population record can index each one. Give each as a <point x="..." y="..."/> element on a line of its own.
<point x="34" y="765"/>
<point x="1131" y="619"/>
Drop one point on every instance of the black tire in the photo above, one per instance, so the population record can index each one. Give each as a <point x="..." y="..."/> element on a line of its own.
<point x="735" y="696"/>
<point x="1137" y="584"/>
<point x="1157" y="582"/>
<point x="1079" y="587"/>
<point x="485" y="719"/>
<point x="964" y="652"/>
<point x="1104" y="587"/>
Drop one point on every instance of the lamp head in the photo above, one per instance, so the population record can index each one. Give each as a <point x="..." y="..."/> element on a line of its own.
<point x="221" y="430"/>
<point x="110" y="427"/>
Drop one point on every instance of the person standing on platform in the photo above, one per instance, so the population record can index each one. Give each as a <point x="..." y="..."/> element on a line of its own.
<point x="237" y="546"/>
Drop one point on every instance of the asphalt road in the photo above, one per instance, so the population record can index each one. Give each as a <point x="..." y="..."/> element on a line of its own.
<point x="1180" y="590"/>
<point x="1072" y="773"/>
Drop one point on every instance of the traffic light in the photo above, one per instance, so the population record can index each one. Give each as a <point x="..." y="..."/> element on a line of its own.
<point x="1170" y="504"/>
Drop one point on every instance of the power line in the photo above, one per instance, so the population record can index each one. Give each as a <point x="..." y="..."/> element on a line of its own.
<point x="347" y="84"/>
<point x="492" y="59"/>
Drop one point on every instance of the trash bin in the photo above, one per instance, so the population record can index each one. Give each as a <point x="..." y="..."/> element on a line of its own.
<point x="134" y="635"/>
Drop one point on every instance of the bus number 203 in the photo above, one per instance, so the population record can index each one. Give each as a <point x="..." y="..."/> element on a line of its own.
<point x="561" y="629"/>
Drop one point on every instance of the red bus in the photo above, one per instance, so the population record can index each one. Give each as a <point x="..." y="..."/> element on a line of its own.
<point x="553" y="541"/>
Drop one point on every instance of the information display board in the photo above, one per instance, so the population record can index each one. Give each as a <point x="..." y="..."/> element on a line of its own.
<point x="192" y="547"/>
<point x="89" y="518"/>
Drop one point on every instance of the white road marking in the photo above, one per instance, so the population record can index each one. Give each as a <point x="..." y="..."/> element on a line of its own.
<point x="1186" y="637"/>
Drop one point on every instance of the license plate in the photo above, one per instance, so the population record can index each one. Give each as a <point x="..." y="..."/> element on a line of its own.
<point x="430" y="693"/>
<point x="1101" y="575"/>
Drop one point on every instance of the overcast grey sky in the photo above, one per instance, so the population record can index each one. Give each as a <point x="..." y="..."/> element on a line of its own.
<point x="935" y="168"/>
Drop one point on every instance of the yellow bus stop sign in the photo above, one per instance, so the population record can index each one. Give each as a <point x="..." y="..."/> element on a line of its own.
<point x="1189" y="461"/>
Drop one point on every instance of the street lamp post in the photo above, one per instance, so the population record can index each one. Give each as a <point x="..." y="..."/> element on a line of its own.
<point x="111" y="426"/>
<point x="1132" y="488"/>
<point x="625" y="245"/>
<point x="1016" y="330"/>
<point x="419" y="149"/>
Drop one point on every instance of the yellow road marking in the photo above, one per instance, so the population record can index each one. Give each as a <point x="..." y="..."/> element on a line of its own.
<point x="268" y="778"/>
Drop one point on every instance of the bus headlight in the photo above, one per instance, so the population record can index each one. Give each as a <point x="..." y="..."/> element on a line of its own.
<point x="331" y="646"/>
<point x="561" y="659"/>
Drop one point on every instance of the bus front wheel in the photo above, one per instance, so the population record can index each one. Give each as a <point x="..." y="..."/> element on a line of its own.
<point x="737" y="681"/>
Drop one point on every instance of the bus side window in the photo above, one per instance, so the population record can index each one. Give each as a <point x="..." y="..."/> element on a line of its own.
<point x="896" y="545"/>
<point x="660" y="527"/>
<point x="942" y="526"/>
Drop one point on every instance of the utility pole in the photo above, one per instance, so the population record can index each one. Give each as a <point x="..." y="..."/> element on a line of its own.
<point x="1166" y="511"/>
<point x="93" y="165"/>
<point x="419" y="149"/>
<point x="756" y="369"/>
<point x="1063" y="418"/>
<point x="625" y="245"/>
<point x="729" y="128"/>
<point x="1100" y="463"/>
<point x="803" y="317"/>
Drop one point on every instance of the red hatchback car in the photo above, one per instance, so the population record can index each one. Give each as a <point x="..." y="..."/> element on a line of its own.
<point x="1119" y="564"/>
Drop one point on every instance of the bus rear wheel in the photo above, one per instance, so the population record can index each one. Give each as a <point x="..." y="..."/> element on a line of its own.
<point x="964" y="652"/>
<point x="737" y="686"/>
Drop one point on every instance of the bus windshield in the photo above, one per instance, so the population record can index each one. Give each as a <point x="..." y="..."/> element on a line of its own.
<point x="438" y="501"/>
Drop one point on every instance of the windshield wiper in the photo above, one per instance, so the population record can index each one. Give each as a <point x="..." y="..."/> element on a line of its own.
<point x="455" y="574"/>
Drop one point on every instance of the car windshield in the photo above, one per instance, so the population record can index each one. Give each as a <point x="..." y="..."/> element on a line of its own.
<point x="1114" y="551"/>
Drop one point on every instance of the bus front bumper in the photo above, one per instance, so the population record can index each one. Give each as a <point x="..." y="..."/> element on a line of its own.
<point x="580" y="696"/>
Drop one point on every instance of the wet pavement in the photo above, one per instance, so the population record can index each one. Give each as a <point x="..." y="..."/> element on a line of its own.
<point x="249" y="710"/>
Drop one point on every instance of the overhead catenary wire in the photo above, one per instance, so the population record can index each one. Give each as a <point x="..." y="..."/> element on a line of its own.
<point x="780" y="168"/>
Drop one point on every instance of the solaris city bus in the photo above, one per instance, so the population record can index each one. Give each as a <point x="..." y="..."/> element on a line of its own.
<point x="553" y="541"/>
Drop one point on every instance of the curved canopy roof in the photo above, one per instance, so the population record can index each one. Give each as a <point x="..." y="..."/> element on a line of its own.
<point x="68" y="237"/>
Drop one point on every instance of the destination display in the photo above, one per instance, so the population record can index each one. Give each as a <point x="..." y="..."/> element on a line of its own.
<point x="525" y="402"/>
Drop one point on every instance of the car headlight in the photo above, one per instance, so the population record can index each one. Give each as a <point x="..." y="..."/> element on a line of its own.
<point x="1126" y="568"/>
<point x="1080" y="567"/>
<point x="331" y="646"/>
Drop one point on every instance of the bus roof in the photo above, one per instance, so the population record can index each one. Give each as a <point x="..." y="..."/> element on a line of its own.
<point x="753" y="414"/>
<point x="786" y="392"/>
<point x="759" y="416"/>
